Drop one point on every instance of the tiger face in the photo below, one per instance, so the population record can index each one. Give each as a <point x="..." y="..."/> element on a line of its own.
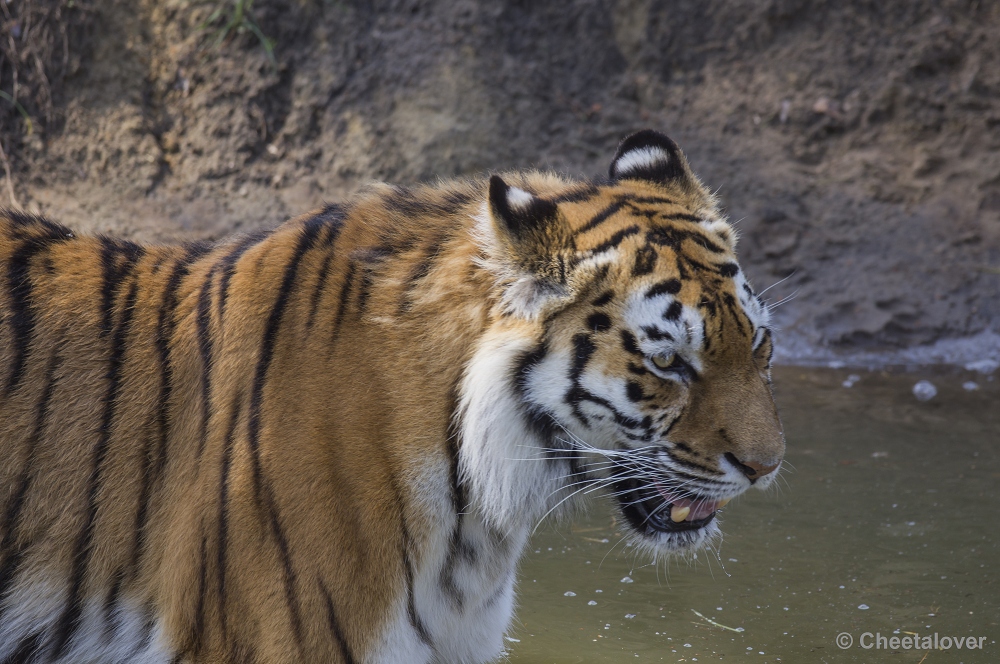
<point x="648" y="374"/>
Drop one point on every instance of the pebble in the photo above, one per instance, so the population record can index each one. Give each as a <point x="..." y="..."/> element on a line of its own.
<point x="924" y="390"/>
<point x="970" y="386"/>
<point x="627" y="579"/>
<point x="985" y="367"/>
<point x="863" y="607"/>
<point x="569" y="593"/>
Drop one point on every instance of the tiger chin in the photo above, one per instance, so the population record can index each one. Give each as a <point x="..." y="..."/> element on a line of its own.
<point x="330" y="441"/>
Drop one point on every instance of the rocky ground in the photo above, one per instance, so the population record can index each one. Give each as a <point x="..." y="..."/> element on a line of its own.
<point x="856" y="144"/>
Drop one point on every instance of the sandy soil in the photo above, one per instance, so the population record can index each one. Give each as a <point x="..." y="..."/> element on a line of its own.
<point x="856" y="144"/>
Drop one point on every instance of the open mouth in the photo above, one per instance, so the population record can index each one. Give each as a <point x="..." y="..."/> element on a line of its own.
<point x="654" y="509"/>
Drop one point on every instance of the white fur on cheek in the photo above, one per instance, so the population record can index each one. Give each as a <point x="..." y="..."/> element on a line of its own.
<point x="500" y="457"/>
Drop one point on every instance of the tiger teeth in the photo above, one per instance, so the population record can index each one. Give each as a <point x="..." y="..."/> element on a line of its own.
<point x="722" y="503"/>
<point x="678" y="514"/>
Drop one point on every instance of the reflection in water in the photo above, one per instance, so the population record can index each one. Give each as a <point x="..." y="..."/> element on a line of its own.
<point x="885" y="521"/>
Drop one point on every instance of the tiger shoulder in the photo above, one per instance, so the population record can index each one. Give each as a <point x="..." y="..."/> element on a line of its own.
<point x="330" y="441"/>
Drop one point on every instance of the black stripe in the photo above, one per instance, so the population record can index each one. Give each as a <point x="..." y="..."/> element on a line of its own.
<point x="165" y="326"/>
<point x="71" y="617"/>
<point x="637" y="369"/>
<point x="687" y="463"/>
<point x="656" y="334"/>
<point x="289" y="571"/>
<point x="615" y="239"/>
<point x="335" y="214"/>
<point x="682" y="216"/>
<point x="27" y="650"/>
<point x="603" y="299"/>
<point x="203" y="321"/>
<point x="601" y="217"/>
<point x="673" y="312"/>
<point x="705" y="243"/>
<point x="198" y="636"/>
<point x="335" y="629"/>
<point x="411" y="606"/>
<point x="153" y="462"/>
<point x="405" y="545"/>
<point x="599" y="322"/>
<point x="651" y="200"/>
<point x="370" y="259"/>
<point x="538" y="420"/>
<point x="148" y="625"/>
<point x="668" y="287"/>
<point x="578" y="395"/>
<point x="583" y="349"/>
<point x="22" y="315"/>
<point x="11" y="551"/>
<point x="345" y="295"/>
<point x="630" y="344"/>
<point x="410" y="204"/>
<point x="577" y="195"/>
<point x="222" y="546"/>
<point x="737" y="312"/>
<point x="307" y="239"/>
<point x="421" y="270"/>
<point x="227" y="266"/>
<point x="203" y="334"/>
<point x="324" y="271"/>
<point x="458" y="504"/>
<point x="645" y="261"/>
<point x="729" y="269"/>
<point x="117" y="259"/>
<point x="110" y="603"/>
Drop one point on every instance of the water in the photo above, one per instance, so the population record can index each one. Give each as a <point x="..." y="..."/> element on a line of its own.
<point x="886" y="522"/>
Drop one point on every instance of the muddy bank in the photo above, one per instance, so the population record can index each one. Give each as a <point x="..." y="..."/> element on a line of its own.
<point x="855" y="144"/>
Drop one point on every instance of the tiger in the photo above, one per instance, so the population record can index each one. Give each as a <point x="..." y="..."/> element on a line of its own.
<point x="331" y="440"/>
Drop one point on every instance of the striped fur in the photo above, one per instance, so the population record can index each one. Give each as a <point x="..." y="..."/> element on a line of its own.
<point x="329" y="442"/>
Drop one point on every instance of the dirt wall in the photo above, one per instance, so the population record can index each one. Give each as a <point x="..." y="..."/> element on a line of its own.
<point x="856" y="144"/>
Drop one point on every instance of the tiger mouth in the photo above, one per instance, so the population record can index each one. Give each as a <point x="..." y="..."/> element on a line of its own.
<point x="653" y="509"/>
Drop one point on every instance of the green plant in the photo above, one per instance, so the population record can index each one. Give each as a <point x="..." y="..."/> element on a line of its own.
<point x="237" y="16"/>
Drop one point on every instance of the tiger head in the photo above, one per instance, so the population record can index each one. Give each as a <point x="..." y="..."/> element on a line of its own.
<point x="626" y="352"/>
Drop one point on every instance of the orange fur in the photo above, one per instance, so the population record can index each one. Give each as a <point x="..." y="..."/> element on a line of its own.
<point x="254" y="446"/>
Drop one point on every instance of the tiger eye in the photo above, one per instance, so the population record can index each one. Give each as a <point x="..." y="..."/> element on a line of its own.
<point x="663" y="361"/>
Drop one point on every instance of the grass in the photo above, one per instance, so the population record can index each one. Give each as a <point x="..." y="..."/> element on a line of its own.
<point x="29" y="127"/>
<point x="237" y="17"/>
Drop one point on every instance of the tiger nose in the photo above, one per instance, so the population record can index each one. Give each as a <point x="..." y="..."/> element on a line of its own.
<point x="753" y="470"/>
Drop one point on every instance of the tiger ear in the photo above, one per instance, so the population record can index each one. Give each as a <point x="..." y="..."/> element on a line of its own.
<point x="649" y="155"/>
<point x="517" y="213"/>
<point x="529" y="244"/>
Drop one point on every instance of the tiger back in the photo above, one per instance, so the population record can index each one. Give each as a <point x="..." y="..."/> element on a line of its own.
<point x="330" y="441"/>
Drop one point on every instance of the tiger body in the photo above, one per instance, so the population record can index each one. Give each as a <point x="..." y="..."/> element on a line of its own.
<point x="329" y="442"/>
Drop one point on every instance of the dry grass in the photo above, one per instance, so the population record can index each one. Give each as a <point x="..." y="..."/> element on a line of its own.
<point x="40" y="42"/>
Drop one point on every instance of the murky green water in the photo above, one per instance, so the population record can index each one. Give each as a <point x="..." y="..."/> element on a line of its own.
<point x="885" y="523"/>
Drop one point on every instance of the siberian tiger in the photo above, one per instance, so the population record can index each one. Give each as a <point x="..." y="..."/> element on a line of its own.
<point x="329" y="442"/>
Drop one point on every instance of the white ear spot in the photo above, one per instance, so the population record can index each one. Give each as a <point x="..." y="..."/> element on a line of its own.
<point x="518" y="199"/>
<point x="641" y="159"/>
